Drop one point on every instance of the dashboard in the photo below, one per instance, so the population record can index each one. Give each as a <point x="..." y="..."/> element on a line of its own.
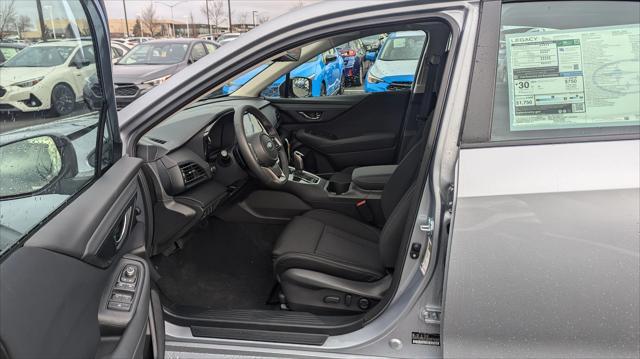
<point x="193" y="161"/>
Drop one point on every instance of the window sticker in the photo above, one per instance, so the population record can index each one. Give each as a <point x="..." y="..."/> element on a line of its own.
<point x="575" y="78"/>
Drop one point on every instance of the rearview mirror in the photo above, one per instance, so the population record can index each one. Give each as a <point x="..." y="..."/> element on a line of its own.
<point x="371" y="56"/>
<point x="300" y="87"/>
<point x="34" y="165"/>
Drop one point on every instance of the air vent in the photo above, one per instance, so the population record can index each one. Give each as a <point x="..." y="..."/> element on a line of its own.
<point x="192" y="173"/>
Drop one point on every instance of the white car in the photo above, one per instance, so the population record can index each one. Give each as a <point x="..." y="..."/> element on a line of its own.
<point x="46" y="76"/>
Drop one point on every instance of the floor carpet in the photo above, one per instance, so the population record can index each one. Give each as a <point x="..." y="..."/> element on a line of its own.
<point x="222" y="266"/>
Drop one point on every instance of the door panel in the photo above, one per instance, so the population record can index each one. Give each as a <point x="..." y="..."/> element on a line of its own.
<point x="56" y="289"/>
<point x="336" y="132"/>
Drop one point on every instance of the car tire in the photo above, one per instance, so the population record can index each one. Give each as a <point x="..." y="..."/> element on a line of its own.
<point x="63" y="100"/>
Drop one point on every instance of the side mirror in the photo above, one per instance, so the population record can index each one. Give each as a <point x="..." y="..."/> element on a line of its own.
<point x="300" y="87"/>
<point x="36" y="165"/>
<point x="80" y="64"/>
<point x="330" y="58"/>
<point x="371" y="56"/>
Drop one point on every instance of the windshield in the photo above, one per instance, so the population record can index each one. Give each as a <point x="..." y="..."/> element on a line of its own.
<point x="155" y="54"/>
<point x="402" y="48"/>
<point x="40" y="56"/>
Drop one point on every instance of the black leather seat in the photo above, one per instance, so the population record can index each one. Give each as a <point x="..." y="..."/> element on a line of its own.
<point x="324" y="256"/>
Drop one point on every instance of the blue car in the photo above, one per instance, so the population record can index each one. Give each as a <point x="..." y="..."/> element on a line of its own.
<point x="396" y="62"/>
<point x="324" y="73"/>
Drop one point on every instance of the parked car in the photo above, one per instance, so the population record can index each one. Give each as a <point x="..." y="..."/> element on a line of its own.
<point x="227" y="37"/>
<point x="355" y="64"/>
<point x="9" y="50"/>
<point x="117" y="51"/>
<point x="46" y="76"/>
<point x="473" y="215"/>
<point x="150" y="64"/>
<point x="395" y="64"/>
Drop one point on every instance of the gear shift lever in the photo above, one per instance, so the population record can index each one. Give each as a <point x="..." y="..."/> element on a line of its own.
<point x="298" y="162"/>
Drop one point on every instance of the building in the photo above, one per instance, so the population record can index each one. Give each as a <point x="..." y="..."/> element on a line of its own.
<point x="166" y="28"/>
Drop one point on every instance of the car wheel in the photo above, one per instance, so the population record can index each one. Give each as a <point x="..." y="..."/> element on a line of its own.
<point x="63" y="100"/>
<point x="323" y="90"/>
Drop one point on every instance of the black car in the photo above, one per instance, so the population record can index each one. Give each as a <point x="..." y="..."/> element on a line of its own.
<point x="150" y="64"/>
<point x="355" y="65"/>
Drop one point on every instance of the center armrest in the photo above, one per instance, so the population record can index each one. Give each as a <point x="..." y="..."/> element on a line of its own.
<point x="372" y="178"/>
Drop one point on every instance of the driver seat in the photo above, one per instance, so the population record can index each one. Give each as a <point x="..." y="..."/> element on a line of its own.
<point x="327" y="262"/>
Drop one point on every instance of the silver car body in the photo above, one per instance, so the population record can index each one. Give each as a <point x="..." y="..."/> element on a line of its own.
<point x="542" y="259"/>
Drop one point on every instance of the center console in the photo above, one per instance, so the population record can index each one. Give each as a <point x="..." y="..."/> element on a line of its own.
<point x="358" y="196"/>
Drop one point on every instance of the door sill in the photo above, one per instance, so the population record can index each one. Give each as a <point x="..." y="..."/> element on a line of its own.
<point x="251" y="324"/>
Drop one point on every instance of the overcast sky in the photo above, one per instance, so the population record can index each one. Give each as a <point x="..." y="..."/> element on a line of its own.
<point x="271" y="8"/>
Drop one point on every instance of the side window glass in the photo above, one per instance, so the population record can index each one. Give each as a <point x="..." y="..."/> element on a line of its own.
<point x="395" y="62"/>
<point x="369" y="64"/>
<point x="563" y="72"/>
<point x="198" y="51"/>
<point x="359" y="66"/>
<point x="48" y="128"/>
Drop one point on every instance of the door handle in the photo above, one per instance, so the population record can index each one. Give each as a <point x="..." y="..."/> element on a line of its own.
<point x="311" y="116"/>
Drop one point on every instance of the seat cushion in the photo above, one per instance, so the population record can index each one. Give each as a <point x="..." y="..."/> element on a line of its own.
<point x="331" y="243"/>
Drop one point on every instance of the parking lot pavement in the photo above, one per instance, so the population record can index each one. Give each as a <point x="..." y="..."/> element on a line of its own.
<point x="15" y="120"/>
<point x="353" y="90"/>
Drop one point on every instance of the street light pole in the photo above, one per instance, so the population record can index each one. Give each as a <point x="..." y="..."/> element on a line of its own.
<point x="229" y="3"/>
<point x="41" y="20"/>
<point x="253" y="13"/>
<point x="126" y="21"/>
<point x="173" y="26"/>
<point x="53" y="25"/>
<point x="188" y="32"/>
<point x="208" y="18"/>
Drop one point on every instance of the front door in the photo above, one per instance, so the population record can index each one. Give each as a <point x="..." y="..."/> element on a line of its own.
<point x="74" y="220"/>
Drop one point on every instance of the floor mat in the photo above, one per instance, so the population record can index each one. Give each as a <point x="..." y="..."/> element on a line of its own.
<point x="222" y="266"/>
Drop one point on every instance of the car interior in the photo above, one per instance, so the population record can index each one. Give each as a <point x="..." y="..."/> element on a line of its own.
<point x="273" y="212"/>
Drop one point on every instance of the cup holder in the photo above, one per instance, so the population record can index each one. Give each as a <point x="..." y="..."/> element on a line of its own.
<point x="338" y="187"/>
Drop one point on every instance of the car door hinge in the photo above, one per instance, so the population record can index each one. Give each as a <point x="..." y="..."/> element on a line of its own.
<point x="427" y="225"/>
<point x="431" y="314"/>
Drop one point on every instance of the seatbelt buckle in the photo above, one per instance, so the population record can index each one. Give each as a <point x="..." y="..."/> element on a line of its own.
<point x="364" y="211"/>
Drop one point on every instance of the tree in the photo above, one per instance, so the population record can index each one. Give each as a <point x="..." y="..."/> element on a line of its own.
<point x="297" y="5"/>
<point x="217" y="12"/>
<point x="149" y="19"/>
<point x="262" y="18"/>
<point x="7" y="16"/>
<point x="23" y="23"/>
<point x="137" y="29"/>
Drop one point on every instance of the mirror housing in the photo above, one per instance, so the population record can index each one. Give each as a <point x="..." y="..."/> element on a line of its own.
<point x="80" y="64"/>
<point x="300" y="87"/>
<point x="371" y="55"/>
<point x="329" y="58"/>
<point x="36" y="165"/>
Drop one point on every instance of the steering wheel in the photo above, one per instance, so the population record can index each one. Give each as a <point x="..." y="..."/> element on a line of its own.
<point x="261" y="148"/>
